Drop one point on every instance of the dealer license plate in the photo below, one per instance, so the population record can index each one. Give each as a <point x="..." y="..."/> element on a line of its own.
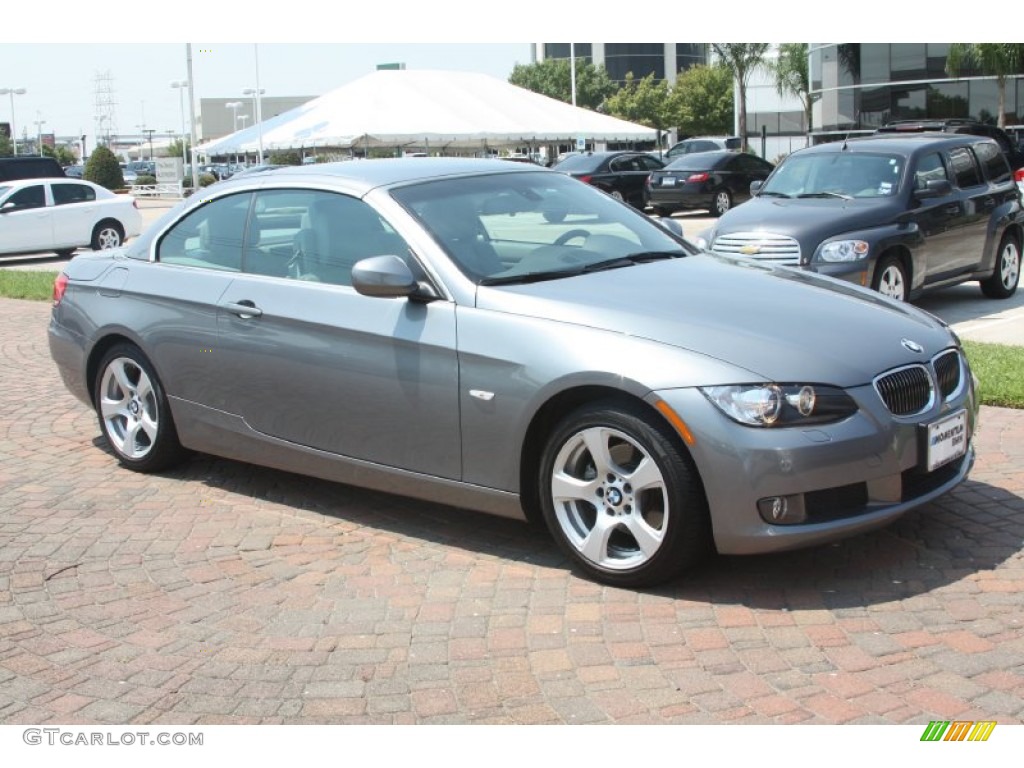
<point x="947" y="440"/>
<point x="668" y="181"/>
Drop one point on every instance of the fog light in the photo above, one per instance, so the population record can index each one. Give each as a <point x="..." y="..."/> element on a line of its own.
<point x="782" y="510"/>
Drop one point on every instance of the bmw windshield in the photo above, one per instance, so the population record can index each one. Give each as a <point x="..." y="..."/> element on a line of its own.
<point x="524" y="227"/>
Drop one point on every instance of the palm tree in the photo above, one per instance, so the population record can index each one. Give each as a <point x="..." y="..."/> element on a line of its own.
<point x="742" y="59"/>
<point x="793" y="76"/>
<point x="998" y="59"/>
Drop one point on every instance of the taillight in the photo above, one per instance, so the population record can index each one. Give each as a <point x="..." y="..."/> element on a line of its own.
<point x="647" y="181"/>
<point x="1018" y="175"/>
<point x="59" y="286"/>
<point x="585" y="179"/>
<point x="696" y="178"/>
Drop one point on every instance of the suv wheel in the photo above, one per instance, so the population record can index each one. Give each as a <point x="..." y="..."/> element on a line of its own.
<point x="891" y="278"/>
<point x="1003" y="282"/>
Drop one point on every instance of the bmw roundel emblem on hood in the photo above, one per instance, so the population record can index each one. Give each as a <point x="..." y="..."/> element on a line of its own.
<point x="913" y="346"/>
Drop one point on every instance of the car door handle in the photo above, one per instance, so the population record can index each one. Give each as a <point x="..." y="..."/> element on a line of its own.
<point x="245" y="309"/>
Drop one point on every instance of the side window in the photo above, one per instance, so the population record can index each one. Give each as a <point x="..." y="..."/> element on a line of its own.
<point x="29" y="197"/>
<point x="929" y="168"/>
<point x="278" y="217"/>
<point x="965" y="170"/>
<point x="336" y="232"/>
<point x="63" y="194"/>
<point x="211" y="236"/>
<point x="649" y="163"/>
<point x="997" y="170"/>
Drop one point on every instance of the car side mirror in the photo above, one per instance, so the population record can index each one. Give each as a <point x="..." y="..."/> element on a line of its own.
<point x="671" y="225"/>
<point x="8" y="207"/>
<point x="934" y="188"/>
<point x="755" y="186"/>
<point x="385" y="277"/>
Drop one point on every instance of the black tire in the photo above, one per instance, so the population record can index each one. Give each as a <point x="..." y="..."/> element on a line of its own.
<point x="891" y="278"/>
<point x="722" y="203"/>
<point x="107" y="234"/>
<point x="660" y="210"/>
<point x="669" y="512"/>
<point x="66" y="253"/>
<point x="133" y="412"/>
<point x="1006" y="274"/>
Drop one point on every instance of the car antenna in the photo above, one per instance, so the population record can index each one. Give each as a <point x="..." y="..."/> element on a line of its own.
<point x="845" y="139"/>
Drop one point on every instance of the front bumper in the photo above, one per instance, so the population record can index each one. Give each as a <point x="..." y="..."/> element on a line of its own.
<point x="851" y="476"/>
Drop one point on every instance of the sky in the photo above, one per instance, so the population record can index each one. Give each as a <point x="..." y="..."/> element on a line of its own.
<point x="310" y="51"/>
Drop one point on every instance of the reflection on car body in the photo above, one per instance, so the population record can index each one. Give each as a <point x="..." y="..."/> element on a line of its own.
<point x="500" y="337"/>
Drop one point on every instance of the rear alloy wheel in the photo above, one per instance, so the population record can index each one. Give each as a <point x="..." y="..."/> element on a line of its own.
<point x="617" y="195"/>
<point x="133" y="411"/>
<point x="891" y="278"/>
<point x="1003" y="282"/>
<point x="107" y="235"/>
<point x="723" y="202"/>
<point x="622" y="499"/>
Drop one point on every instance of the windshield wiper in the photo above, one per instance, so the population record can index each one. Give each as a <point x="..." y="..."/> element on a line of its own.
<point x="826" y="194"/>
<point x="598" y="266"/>
<point x="770" y="193"/>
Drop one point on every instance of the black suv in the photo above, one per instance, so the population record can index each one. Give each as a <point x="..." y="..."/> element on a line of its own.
<point x="901" y="214"/>
<point x="14" y="168"/>
<point x="1006" y="142"/>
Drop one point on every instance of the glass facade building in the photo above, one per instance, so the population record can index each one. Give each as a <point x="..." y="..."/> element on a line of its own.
<point x="860" y="86"/>
<point x="664" y="60"/>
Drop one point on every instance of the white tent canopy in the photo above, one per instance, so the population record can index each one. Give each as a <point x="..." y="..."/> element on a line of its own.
<point x="434" y="108"/>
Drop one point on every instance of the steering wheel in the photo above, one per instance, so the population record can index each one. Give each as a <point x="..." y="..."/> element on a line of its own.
<point x="565" y="237"/>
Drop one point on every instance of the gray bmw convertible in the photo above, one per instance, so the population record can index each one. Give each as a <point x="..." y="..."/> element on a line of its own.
<point x="507" y="339"/>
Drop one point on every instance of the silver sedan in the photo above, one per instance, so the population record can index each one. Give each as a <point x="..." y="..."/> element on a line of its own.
<point x="506" y="339"/>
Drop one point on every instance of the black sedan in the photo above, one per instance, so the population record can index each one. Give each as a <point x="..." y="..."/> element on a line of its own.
<point x="715" y="181"/>
<point x="621" y="174"/>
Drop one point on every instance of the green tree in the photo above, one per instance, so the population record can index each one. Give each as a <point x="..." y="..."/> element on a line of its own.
<point x="645" y="101"/>
<point x="103" y="169"/>
<point x="61" y="154"/>
<point x="174" y="147"/>
<point x="793" y="76"/>
<point x="553" y="78"/>
<point x="998" y="59"/>
<point x="742" y="60"/>
<point x="6" y="146"/>
<point x="285" y="157"/>
<point x="702" y="101"/>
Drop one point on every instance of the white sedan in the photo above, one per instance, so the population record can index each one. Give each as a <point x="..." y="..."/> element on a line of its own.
<point x="62" y="214"/>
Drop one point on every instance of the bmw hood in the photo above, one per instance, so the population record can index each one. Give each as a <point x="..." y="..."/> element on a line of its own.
<point x="782" y="325"/>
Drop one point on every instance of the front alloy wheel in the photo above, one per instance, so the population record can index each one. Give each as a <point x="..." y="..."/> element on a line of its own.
<point x="891" y="279"/>
<point x="622" y="498"/>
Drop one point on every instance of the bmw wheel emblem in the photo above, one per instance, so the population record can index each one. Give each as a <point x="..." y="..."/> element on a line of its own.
<point x="913" y="346"/>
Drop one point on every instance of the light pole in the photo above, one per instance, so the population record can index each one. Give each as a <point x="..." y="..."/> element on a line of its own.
<point x="256" y="93"/>
<point x="14" y="129"/>
<point x="234" y="106"/>
<point x="181" y="85"/>
<point x="39" y="134"/>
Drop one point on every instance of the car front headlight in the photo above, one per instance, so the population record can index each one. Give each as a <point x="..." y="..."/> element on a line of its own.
<point x="844" y="250"/>
<point x="781" y="405"/>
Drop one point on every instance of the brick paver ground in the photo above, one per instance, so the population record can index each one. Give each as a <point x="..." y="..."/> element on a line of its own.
<point x="222" y="592"/>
